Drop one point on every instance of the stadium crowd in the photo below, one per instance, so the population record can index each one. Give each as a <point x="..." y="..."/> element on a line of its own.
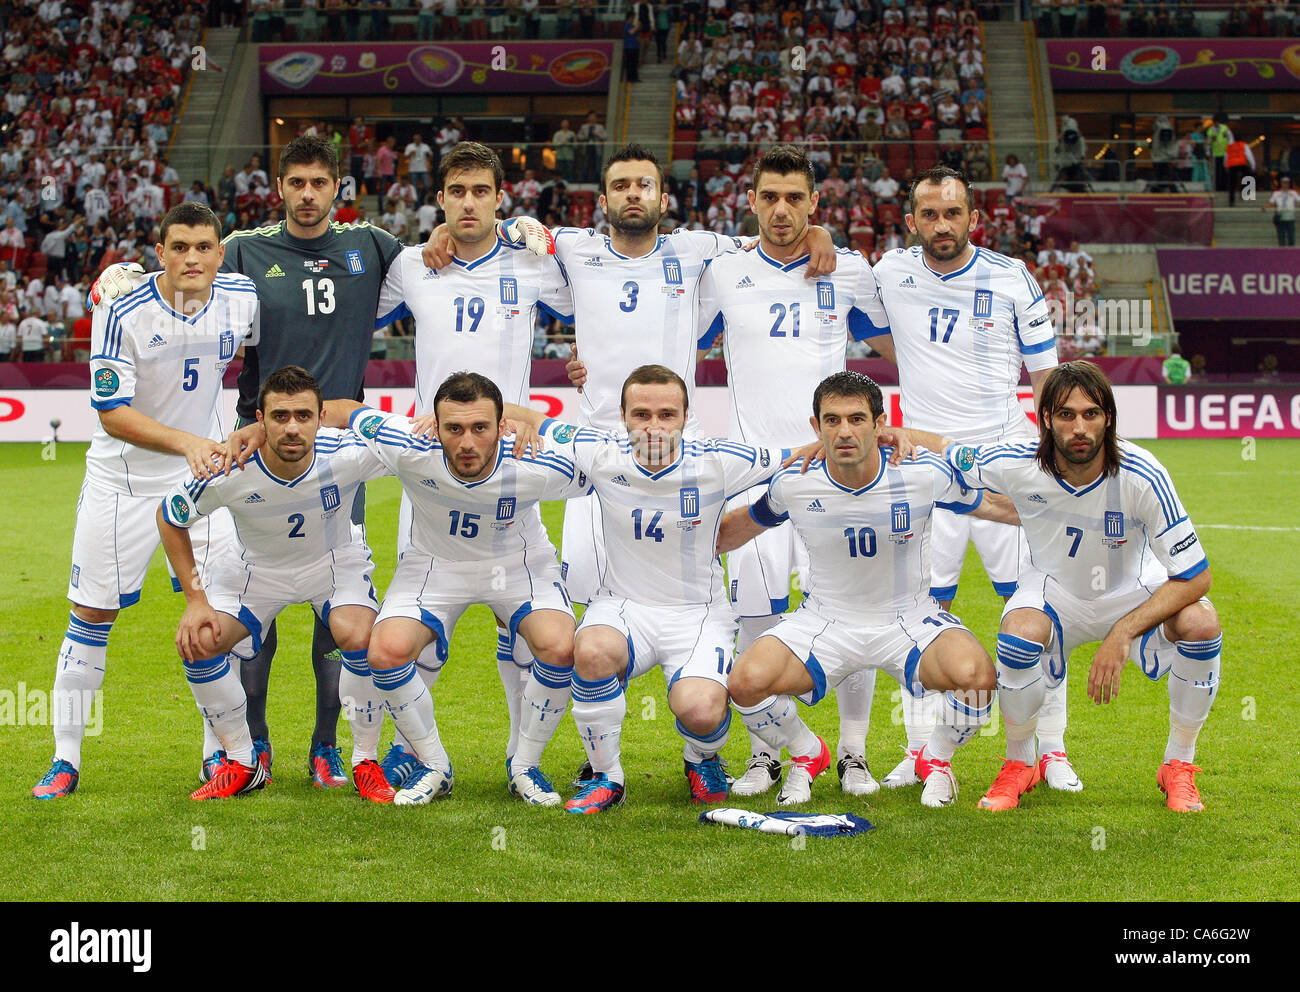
<point x="90" y="92"/>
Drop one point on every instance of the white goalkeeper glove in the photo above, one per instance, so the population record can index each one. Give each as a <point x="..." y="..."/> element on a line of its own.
<point x="116" y="280"/>
<point x="531" y="233"/>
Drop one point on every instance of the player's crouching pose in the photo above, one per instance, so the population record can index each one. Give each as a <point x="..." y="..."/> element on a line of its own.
<point x="866" y="525"/>
<point x="474" y="538"/>
<point x="158" y="355"/>
<point x="298" y="544"/>
<point x="661" y="599"/>
<point x="1115" y="557"/>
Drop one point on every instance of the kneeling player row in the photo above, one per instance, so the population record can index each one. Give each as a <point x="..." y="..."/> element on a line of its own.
<point x="476" y="536"/>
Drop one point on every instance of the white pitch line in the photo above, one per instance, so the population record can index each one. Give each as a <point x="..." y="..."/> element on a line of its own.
<point x="1288" y="530"/>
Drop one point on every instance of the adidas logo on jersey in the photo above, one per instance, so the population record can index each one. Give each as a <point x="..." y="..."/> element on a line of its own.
<point x="274" y="271"/>
<point x="746" y="283"/>
<point x="430" y="274"/>
<point x="157" y="341"/>
<point x="908" y="283"/>
<point x="816" y="506"/>
<point x="255" y="498"/>
<point x="593" y="263"/>
<point x="621" y="480"/>
<point x="429" y="482"/>
<point x="1035" y="498"/>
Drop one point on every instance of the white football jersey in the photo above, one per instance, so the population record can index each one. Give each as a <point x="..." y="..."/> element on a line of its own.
<point x="661" y="529"/>
<point x="868" y="548"/>
<point x="1106" y="539"/>
<point x="631" y="312"/>
<point x="279" y="523"/>
<point x="961" y="339"/>
<point x="779" y="327"/>
<point x="459" y="521"/>
<point x="167" y="366"/>
<point x="474" y="316"/>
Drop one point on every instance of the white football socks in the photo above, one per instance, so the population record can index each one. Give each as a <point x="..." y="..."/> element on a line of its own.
<point x="78" y="677"/>
<point x="959" y="722"/>
<point x="750" y="630"/>
<point x="545" y="698"/>
<point x="220" y="697"/>
<point x="777" y="723"/>
<point x="361" y="706"/>
<point x="598" y="710"/>
<point x="1193" y="682"/>
<point x="411" y="703"/>
<point x="854" y="696"/>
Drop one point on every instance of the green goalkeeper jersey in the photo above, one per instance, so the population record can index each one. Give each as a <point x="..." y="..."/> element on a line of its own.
<point x="317" y="302"/>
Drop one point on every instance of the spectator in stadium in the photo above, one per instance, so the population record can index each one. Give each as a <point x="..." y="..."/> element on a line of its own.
<point x="1070" y="152"/>
<point x="419" y="157"/>
<point x="1219" y="136"/>
<point x="1283" y="203"/>
<point x="563" y="141"/>
<point x="1015" y="176"/>
<point x="1239" y="161"/>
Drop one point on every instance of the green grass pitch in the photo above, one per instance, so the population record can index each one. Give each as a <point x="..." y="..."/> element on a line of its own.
<point x="131" y="832"/>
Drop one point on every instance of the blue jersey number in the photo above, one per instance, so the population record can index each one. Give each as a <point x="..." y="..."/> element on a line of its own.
<point x="653" y="531"/>
<point x="628" y="305"/>
<point x="298" y="520"/>
<point x="466" y="522"/>
<point x="945" y="617"/>
<point x="862" y="542"/>
<point x="474" y="307"/>
<point x="780" y="310"/>
<point x="190" y="380"/>
<point x="950" y="316"/>
<point x="1077" y="534"/>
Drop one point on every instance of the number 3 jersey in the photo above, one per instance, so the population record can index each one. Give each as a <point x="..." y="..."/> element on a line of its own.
<point x="168" y="366"/>
<point x="868" y="548"/>
<point x="285" y="524"/>
<point x="468" y="521"/>
<point x="661" y="528"/>
<point x="634" y="311"/>
<point x="961" y="339"/>
<point x="780" y="328"/>
<point x="1104" y="539"/>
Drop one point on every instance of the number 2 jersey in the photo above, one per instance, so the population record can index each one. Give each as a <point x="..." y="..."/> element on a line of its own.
<point x="285" y="524"/>
<point x="1104" y="539"/>
<point x="868" y="548"/>
<point x="782" y="334"/>
<point x="961" y="338"/>
<point x="460" y="521"/>
<point x="167" y="366"/>
<point x="661" y="528"/>
<point x="319" y="299"/>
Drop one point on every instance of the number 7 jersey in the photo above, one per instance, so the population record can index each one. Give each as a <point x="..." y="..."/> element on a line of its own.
<point x="1104" y="539"/>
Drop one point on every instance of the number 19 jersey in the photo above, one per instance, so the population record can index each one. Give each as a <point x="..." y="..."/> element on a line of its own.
<point x="475" y="315"/>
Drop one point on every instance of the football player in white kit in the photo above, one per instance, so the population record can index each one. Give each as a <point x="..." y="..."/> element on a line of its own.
<point x="477" y="312"/>
<point x="963" y="320"/>
<point x="660" y="601"/>
<point x="779" y="327"/>
<point x="157" y="359"/>
<point x="866" y="524"/>
<point x="296" y="543"/>
<point x="1095" y="507"/>
<point x="471" y="540"/>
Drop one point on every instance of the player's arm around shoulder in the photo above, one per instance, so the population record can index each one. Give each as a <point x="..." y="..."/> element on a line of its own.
<point x="745" y="523"/>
